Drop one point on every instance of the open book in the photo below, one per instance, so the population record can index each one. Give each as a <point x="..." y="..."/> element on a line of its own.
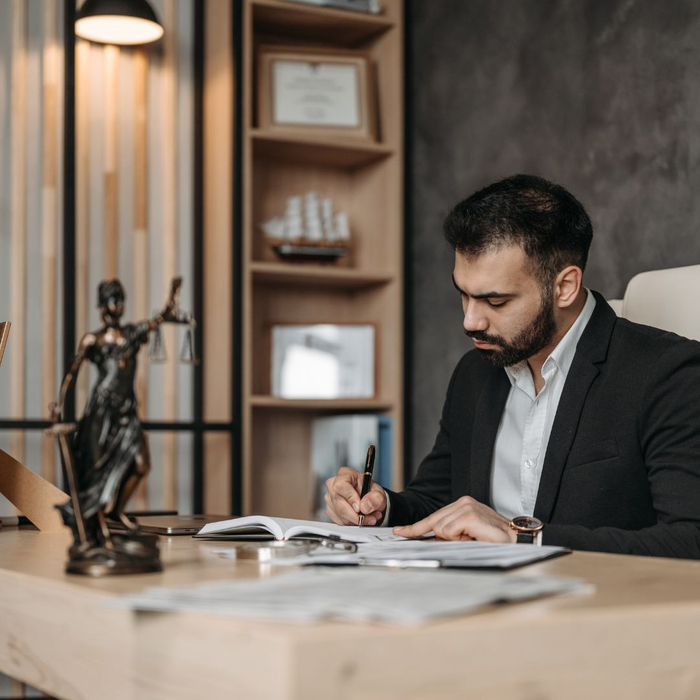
<point x="286" y="528"/>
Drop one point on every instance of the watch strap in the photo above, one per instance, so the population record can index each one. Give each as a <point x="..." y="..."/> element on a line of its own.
<point x="526" y="537"/>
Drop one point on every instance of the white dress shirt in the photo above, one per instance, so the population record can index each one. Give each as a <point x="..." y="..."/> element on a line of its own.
<point x="526" y="423"/>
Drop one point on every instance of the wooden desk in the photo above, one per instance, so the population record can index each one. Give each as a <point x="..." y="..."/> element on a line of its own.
<point x="638" y="636"/>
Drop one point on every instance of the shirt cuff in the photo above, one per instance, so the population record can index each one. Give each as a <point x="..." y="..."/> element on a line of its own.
<point x="385" y="519"/>
<point x="538" y="538"/>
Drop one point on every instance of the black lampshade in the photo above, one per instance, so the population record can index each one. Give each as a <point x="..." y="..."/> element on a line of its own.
<point x="124" y="22"/>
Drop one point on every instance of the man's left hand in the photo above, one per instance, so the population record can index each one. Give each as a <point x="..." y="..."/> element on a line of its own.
<point x="465" y="519"/>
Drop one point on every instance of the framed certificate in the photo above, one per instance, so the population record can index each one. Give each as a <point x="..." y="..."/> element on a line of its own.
<point x="315" y="91"/>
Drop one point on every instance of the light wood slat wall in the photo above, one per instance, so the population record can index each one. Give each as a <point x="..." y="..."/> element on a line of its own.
<point x="110" y="250"/>
<point x="169" y="241"/>
<point x="82" y="204"/>
<point x="18" y="169"/>
<point x="140" y="245"/>
<point x="154" y="78"/>
<point x="31" y="124"/>
<point x="218" y="224"/>
<point x="30" y="166"/>
<point x="50" y="225"/>
<point x="142" y="156"/>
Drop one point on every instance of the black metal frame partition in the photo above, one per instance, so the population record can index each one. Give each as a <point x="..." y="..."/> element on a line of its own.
<point x="198" y="426"/>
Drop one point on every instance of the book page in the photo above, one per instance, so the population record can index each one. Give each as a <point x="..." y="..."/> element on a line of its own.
<point x="286" y="528"/>
<point x="245" y="525"/>
<point x="349" y="533"/>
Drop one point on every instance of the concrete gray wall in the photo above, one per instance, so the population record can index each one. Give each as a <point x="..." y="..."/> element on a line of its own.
<point x="601" y="96"/>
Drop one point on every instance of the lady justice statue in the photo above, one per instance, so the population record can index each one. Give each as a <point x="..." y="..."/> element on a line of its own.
<point x="105" y="454"/>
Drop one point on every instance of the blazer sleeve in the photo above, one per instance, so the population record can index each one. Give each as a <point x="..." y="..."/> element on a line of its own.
<point x="669" y="433"/>
<point x="431" y="487"/>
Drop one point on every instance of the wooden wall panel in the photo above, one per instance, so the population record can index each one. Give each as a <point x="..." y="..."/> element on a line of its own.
<point x="218" y="223"/>
<point x="169" y="251"/>
<point x="218" y="171"/>
<point x="110" y="82"/>
<point x="50" y="225"/>
<point x="140" y="243"/>
<point x="145" y="237"/>
<point x="217" y="474"/>
<point x="82" y="204"/>
<point x="18" y="198"/>
<point x="136" y="206"/>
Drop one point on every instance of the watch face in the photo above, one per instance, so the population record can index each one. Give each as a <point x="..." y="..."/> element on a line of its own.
<point x="527" y="523"/>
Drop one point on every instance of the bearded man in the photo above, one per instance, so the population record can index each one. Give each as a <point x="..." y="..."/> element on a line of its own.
<point x="565" y="425"/>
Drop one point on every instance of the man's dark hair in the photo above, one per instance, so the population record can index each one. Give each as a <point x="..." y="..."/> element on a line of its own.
<point x="546" y="220"/>
<point x="109" y="289"/>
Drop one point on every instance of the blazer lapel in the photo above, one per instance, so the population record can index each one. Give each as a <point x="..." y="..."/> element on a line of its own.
<point x="592" y="349"/>
<point x="489" y="410"/>
<point x="581" y="376"/>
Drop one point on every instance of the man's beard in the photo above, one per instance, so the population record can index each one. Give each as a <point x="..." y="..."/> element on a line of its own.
<point x="534" y="337"/>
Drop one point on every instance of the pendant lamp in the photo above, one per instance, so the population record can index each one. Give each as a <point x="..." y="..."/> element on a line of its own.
<point x="123" y="22"/>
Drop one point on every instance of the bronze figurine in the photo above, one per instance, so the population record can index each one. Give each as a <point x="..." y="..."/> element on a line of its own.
<point x="105" y="454"/>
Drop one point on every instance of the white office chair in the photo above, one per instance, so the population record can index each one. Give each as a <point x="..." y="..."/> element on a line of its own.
<point x="668" y="299"/>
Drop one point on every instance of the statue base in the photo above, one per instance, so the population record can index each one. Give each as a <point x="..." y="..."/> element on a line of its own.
<point x="132" y="553"/>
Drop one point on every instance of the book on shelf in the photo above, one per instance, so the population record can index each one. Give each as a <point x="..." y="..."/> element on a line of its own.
<point x="372" y="7"/>
<point x="289" y="528"/>
<point x="342" y="441"/>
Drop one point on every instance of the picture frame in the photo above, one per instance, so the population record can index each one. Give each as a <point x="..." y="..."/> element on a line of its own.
<point x="323" y="360"/>
<point x="316" y="91"/>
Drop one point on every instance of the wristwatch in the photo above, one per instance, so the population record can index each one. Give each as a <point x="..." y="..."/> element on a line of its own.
<point x="527" y="528"/>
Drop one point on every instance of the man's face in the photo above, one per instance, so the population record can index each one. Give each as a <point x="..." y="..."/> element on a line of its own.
<point x="507" y="314"/>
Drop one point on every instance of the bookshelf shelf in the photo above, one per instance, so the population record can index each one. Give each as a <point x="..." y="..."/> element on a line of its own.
<point x="339" y="27"/>
<point x="318" y="150"/>
<point x="303" y="274"/>
<point x="273" y="402"/>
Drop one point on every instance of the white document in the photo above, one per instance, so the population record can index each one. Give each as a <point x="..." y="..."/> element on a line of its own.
<point x="286" y="528"/>
<point x="430" y="554"/>
<point x="353" y="594"/>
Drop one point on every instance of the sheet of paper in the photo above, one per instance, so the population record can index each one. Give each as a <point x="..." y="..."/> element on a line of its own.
<point x="407" y="552"/>
<point x="352" y="594"/>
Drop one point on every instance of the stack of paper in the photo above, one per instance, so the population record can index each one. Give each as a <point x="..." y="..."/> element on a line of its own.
<point x="353" y="594"/>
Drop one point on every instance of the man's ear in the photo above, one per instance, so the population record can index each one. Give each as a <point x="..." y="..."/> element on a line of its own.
<point x="567" y="286"/>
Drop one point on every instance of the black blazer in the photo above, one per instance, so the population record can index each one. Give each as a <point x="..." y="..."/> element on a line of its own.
<point x="622" y="467"/>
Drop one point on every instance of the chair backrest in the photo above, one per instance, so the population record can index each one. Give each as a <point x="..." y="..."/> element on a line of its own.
<point x="668" y="299"/>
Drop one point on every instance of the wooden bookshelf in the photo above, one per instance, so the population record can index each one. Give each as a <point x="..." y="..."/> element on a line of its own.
<point x="365" y="179"/>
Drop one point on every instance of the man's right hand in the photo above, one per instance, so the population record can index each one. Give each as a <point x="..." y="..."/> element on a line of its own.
<point x="343" y="505"/>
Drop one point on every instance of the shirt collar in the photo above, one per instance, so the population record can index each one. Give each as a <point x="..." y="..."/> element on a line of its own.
<point x="563" y="354"/>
